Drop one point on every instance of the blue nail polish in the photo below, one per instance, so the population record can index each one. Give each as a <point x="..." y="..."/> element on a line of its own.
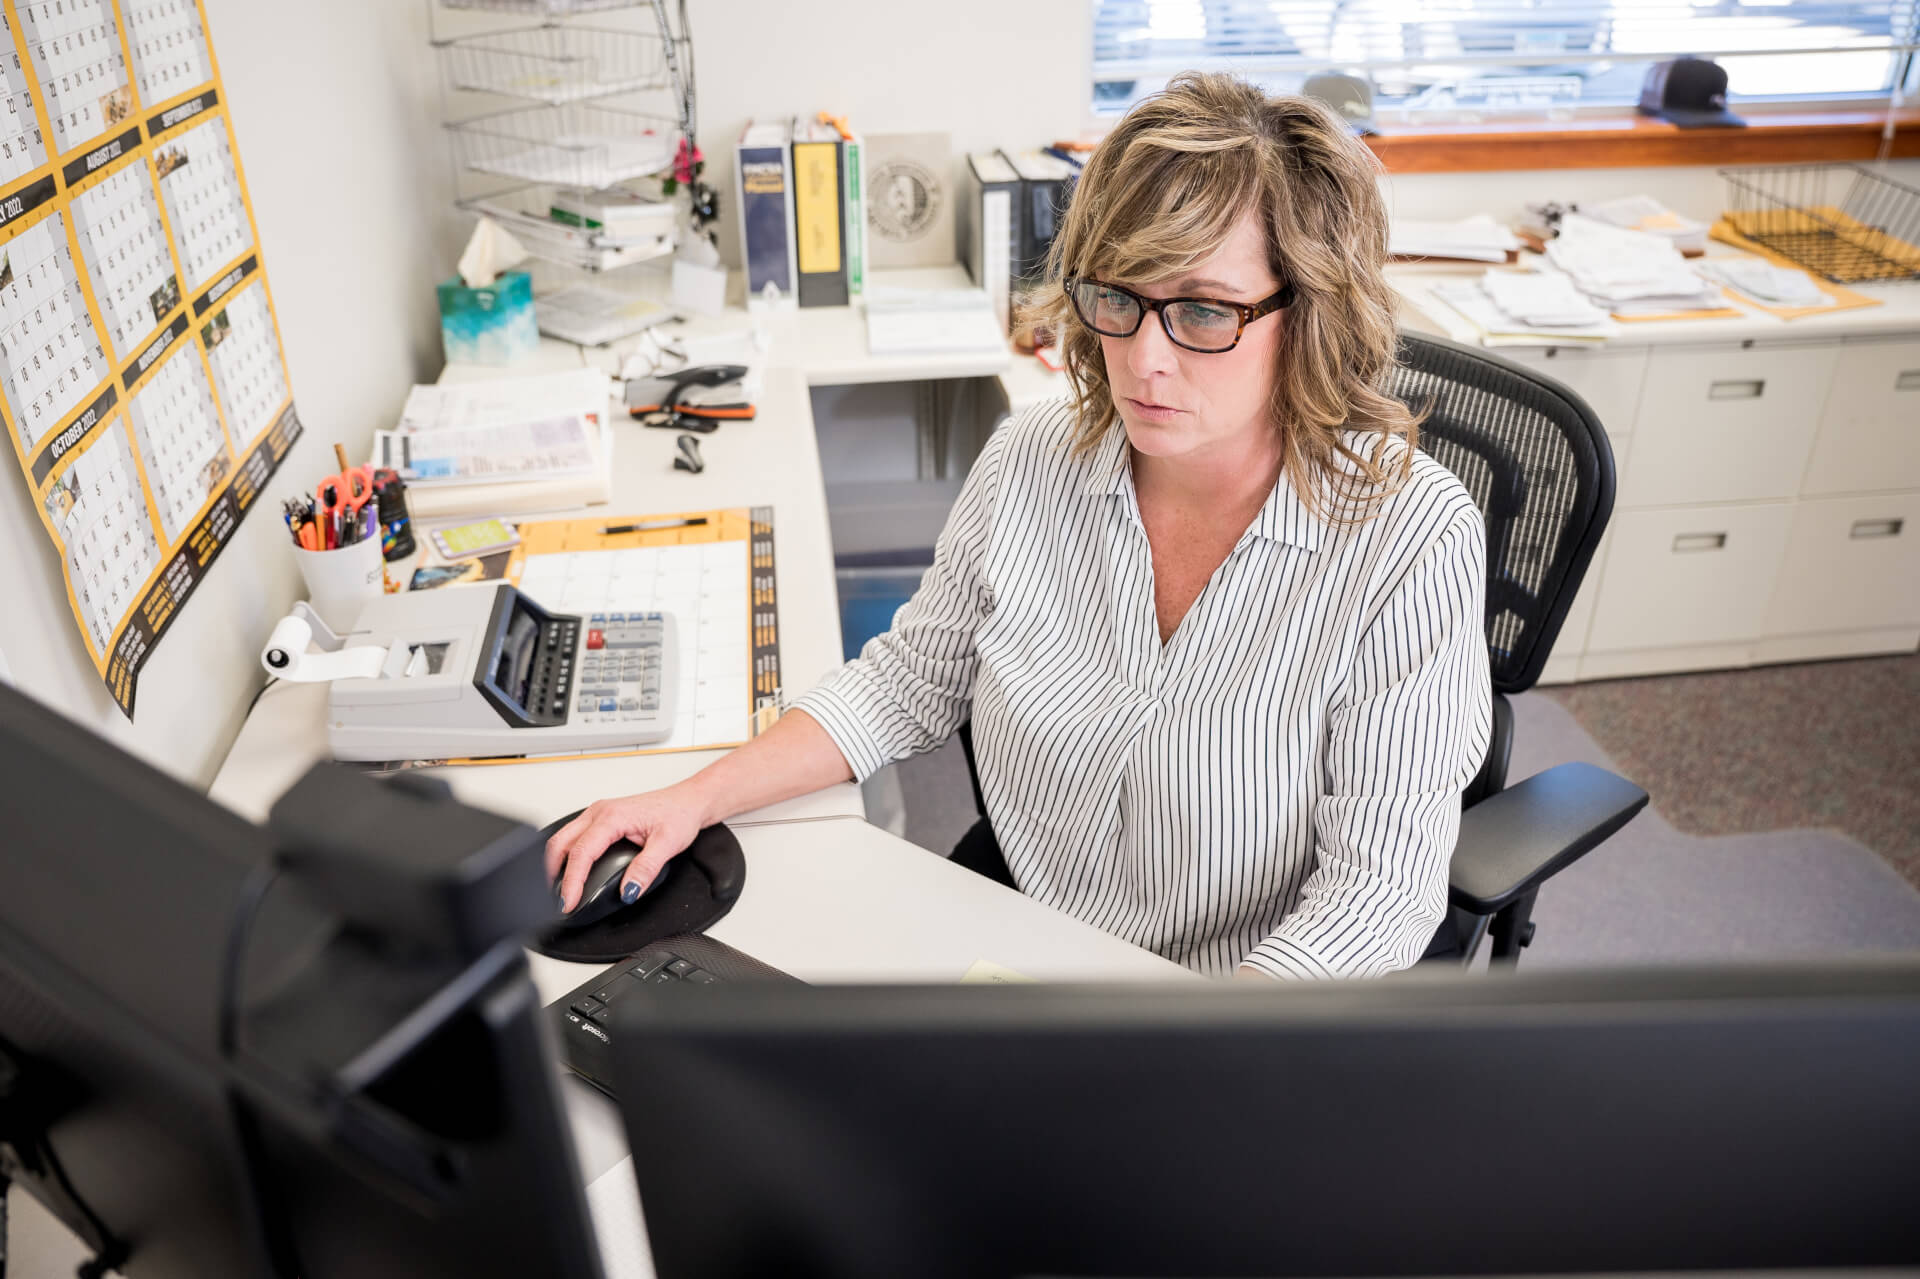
<point x="629" y="892"/>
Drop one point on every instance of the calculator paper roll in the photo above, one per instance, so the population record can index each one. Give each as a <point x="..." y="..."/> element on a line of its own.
<point x="286" y="657"/>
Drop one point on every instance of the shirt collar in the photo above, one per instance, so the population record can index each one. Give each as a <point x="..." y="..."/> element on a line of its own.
<point x="1283" y="517"/>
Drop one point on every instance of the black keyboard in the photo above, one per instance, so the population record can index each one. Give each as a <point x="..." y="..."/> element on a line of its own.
<point x="584" y="1016"/>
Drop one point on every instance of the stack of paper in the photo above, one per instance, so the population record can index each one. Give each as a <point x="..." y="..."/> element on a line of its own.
<point x="1629" y="272"/>
<point x="1540" y="299"/>
<point x="1474" y="239"/>
<point x="503" y="445"/>
<point x="931" y="321"/>
<point x="593" y="316"/>
<point x="1560" y="314"/>
<point x="1766" y="283"/>
<point x="1644" y="213"/>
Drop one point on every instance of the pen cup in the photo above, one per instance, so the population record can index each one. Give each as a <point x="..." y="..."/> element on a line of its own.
<point x="341" y="581"/>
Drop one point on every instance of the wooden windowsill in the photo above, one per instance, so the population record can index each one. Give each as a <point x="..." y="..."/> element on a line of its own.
<point x="1641" y="142"/>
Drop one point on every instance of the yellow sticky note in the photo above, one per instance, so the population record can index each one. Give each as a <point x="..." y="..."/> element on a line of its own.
<point x="986" y="971"/>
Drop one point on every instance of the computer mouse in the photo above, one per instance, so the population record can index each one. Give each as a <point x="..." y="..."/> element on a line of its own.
<point x="696" y="888"/>
<point x="601" y="895"/>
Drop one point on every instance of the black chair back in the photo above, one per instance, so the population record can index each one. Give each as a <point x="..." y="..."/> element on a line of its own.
<point x="1539" y="466"/>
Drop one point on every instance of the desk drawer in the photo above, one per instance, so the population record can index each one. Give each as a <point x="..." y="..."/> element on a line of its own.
<point x="1852" y="564"/>
<point x="1675" y="578"/>
<point x="1608" y="380"/>
<point x="1726" y="424"/>
<point x="1870" y="433"/>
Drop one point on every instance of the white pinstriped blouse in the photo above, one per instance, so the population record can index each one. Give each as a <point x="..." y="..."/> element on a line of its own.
<point x="1278" y="785"/>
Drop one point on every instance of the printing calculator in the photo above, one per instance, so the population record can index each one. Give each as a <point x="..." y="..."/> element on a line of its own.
<point x="481" y="671"/>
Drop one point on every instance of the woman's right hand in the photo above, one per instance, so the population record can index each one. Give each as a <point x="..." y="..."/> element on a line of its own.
<point x="662" y="822"/>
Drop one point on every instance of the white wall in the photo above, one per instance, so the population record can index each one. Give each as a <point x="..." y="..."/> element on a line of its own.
<point x="992" y="73"/>
<point x="334" y="111"/>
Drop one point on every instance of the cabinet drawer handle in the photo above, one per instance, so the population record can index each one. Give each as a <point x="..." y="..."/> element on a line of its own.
<point x="1909" y="380"/>
<point x="1700" y="542"/>
<point x="1876" y="528"/>
<point x="1737" y="389"/>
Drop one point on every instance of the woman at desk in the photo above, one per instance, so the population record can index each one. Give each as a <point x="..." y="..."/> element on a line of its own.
<point x="1216" y="623"/>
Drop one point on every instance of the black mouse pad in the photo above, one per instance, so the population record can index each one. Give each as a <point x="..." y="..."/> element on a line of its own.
<point x="701" y="886"/>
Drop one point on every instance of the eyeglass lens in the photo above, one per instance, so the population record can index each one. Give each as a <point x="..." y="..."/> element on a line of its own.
<point x="1199" y="325"/>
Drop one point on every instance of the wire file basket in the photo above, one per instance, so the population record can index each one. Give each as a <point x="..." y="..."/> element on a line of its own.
<point x="555" y="63"/>
<point x="580" y="145"/>
<point x="547" y="8"/>
<point x="1844" y="222"/>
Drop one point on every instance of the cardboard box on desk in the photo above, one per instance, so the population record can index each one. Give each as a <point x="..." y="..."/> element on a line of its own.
<point x="493" y="324"/>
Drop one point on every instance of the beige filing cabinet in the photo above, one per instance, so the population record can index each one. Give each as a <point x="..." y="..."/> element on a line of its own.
<point x="1768" y="506"/>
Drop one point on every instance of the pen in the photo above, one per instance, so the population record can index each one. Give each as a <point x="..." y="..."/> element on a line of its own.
<point x="650" y="526"/>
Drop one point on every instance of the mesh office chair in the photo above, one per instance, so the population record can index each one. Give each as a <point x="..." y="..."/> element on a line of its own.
<point x="1540" y="468"/>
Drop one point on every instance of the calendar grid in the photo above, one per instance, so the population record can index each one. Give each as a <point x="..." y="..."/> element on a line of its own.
<point x="23" y="146"/>
<point x="142" y="380"/>
<point x="167" y="40"/>
<point x="80" y="64"/>
<point x="124" y="247"/>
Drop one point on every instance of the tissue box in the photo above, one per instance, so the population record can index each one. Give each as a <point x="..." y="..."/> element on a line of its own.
<point x="491" y="325"/>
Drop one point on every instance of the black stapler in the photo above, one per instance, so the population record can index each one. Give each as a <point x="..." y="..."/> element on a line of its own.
<point x="692" y="399"/>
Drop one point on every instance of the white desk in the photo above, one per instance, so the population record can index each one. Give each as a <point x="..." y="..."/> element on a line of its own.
<point x="828" y="344"/>
<point x="770" y="461"/>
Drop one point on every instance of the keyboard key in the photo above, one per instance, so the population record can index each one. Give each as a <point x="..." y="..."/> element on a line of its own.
<point x="650" y="965"/>
<point x="661" y="975"/>
<point x="608" y="704"/>
<point x="701" y="976"/>
<point x="679" y="968"/>
<point x="598" y="619"/>
<point x="587" y="1006"/>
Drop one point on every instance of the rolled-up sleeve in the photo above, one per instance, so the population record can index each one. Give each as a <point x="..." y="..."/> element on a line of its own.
<point x="1404" y="739"/>
<point x="912" y="686"/>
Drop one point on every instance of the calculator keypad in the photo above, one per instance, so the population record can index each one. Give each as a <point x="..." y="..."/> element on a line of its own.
<point x="622" y="668"/>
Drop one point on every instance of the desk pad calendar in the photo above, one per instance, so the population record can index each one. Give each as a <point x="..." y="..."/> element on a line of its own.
<point x="141" y="378"/>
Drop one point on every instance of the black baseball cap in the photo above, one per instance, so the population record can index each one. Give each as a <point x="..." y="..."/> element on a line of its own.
<point x="1689" y="92"/>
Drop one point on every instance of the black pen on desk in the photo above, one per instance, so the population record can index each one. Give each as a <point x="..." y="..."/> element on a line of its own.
<point x="653" y="526"/>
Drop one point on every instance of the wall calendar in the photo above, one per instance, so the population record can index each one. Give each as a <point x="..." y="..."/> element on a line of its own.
<point x="141" y="378"/>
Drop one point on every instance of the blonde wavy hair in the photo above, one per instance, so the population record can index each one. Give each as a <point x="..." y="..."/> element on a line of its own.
<point x="1158" y="197"/>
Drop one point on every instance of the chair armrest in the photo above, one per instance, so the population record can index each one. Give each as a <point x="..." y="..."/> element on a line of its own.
<point x="1511" y="841"/>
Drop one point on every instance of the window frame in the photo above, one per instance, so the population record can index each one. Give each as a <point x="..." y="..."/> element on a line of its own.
<point x="1842" y="107"/>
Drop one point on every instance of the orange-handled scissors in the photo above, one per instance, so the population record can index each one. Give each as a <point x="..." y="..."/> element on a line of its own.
<point x="340" y="498"/>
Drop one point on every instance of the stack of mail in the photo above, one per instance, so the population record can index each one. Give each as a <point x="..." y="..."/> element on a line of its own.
<point x="1533" y="309"/>
<point x="1629" y="272"/>
<point x="1766" y="283"/>
<point x="1475" y="239"/>
<point x="1540" y="299"/>
<point x="1644" y="213"/>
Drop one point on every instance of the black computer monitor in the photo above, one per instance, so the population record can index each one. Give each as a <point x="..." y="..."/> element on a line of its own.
<point x="1546" y="1123"/>
<point x="310" y="1050"/>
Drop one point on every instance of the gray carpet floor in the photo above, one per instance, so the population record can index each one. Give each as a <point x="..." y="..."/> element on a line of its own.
<point x="1815" y="744"/>
<point x="1652" y="894"/>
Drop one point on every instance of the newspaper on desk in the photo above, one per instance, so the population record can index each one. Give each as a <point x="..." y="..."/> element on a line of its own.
<point x="511" y="429"/>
